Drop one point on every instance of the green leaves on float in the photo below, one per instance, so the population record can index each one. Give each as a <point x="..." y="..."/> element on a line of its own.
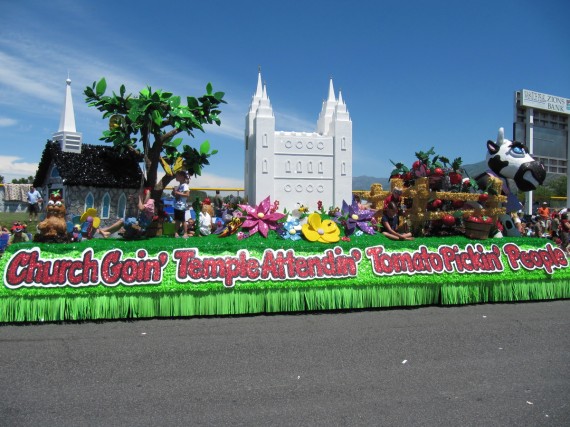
<point x="209" y="88"/>
<point x="205" y="147"/>
<point x="174" y="143"/>
<point x="192" y="102"/>
<point x="156" y="117"/>
<point x="101" y="87"/>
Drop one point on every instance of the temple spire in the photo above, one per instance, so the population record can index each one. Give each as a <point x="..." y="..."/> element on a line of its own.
<point x="331" y="91"/>
<point x="259" y="90"/>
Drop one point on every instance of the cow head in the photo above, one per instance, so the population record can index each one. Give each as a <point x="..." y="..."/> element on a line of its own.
<point x="511" y="160"/>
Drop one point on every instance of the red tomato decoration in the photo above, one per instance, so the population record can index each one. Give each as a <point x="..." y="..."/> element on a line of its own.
<point x="483" y="197"/>
<point x="438" y="172"/>
<point x="455" y="178"/>
<point x="448" y="220"/>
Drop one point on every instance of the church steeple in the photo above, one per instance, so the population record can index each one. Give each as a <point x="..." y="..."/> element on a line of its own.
<point x="67" y="134"/>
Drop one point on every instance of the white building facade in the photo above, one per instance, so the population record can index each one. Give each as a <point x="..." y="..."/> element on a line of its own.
<point x="298" y="168"/>
<point x="541" y="123"/>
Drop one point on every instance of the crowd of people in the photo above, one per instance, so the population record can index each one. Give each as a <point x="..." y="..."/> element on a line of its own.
<point x="547" y="223"/>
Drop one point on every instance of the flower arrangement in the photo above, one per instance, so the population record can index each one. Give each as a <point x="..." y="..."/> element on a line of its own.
<point x="318" y="230"/>
<point x="260" y="218"/>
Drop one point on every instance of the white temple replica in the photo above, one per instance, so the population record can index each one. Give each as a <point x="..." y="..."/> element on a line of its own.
<point x="298" y="168"/>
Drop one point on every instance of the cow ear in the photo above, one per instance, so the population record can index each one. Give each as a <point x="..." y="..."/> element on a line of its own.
<point x="492" y="147"/>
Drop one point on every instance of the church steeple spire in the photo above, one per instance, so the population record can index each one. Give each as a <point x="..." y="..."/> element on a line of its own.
<point x="67" y="134"/>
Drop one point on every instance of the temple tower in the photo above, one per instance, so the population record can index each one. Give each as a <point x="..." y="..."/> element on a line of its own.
<point x="298" y="168"/>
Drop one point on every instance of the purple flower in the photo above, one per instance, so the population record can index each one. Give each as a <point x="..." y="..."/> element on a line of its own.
<point x="357" y="218"/>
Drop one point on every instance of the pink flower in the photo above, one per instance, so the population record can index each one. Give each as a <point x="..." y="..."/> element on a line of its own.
<point x="261" y="218"/>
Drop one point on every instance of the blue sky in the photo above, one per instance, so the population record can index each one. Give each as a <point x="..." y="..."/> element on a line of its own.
<point x="413" y="74"/>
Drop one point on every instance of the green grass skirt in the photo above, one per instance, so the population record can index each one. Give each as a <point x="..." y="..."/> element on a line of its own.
<point x="367" y="289"/>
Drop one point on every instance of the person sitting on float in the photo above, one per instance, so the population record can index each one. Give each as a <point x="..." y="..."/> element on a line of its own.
<point x="390" y="222"/>
<point x="18" y="235"/>
<point x="394" y="197"/>
<point x="205" y="218"/>
<point x="134" y="226"/>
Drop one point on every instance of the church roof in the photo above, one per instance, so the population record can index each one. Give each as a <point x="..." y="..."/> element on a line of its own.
<point x="96" y="165"/>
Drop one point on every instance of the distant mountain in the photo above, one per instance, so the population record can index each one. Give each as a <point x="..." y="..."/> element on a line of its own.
<point x="364" y="182"/>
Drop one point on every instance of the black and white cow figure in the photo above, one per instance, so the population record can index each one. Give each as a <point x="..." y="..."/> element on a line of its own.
<point x="512" y="162"/>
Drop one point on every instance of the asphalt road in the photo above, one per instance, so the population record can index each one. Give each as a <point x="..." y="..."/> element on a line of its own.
<point x="484" y="365"/>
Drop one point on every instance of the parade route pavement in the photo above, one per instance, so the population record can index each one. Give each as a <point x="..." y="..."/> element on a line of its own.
<point x="479" y="365"/>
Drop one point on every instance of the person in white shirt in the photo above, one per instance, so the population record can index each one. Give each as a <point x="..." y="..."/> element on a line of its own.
<point x="34" y="200"/>
<point x="181" y="193"/>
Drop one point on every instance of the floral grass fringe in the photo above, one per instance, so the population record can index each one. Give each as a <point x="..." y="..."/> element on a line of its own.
<point x="235" y="302"/>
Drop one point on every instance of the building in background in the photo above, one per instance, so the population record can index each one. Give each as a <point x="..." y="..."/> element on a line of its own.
<point x="541" y="123"/>
<point x="298" y="168"/>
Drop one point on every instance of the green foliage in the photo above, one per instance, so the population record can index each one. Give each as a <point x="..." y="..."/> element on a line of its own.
<point x="28" y="180"/>
<point x="1" y="179"/>
<point x="149" y="121"/>
<point x="558" y="185"/>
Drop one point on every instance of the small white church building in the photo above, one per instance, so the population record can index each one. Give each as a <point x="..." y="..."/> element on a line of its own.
<point x="298" y="168"/>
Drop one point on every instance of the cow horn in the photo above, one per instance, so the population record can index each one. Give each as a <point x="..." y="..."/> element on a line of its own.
<point x="501" y="136"/>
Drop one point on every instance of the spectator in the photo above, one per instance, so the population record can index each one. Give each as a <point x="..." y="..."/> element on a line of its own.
<point x="564" y="231"/>
<point x="218" y="204"/>
<point x="34" y="199"/>
<point x="544" y="216"/>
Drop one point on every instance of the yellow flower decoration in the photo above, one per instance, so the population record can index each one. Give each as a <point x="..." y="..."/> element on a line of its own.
<point x="317" y="230"/>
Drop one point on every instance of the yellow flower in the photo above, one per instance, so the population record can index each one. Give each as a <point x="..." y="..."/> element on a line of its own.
<point x="317" y="230"/>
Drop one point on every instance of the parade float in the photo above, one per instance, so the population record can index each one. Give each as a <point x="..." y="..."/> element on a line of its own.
<point x="315" y="257"/>
<point x="265" y="261"/>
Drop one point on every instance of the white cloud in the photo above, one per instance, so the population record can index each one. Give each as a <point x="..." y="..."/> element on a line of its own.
<point x="291" y="122"/>
<point x="209" y="180"/>
<point x="6" y="122"/>
<point x="12" y="167"/>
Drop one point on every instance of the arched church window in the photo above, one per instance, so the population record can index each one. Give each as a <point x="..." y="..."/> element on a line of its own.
<point x="299" y="167"/>
<point x="122" y="206"/>
<point x="264" y="140"/>
<point x="264" y="166"/>
<point x="343" y="143"/>
<point x="89" y="201"/>
<point x="310" y="167"/>
<point x="106" y="206"/>
<point x="343" y="168"/>
<point x="288" y="166"/>
<point x="320" y="167"/>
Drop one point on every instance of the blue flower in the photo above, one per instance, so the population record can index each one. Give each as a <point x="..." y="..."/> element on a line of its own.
<point x="291" y="229"/>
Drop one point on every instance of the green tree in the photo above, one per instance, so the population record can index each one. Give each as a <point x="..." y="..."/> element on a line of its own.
<point x="28" y="180"/>
<point x="558" y="185"/>
<point x="148" y="122"/>
<point x="1" y="179"/>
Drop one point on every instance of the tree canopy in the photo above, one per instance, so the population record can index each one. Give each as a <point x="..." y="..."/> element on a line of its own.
<point x="148" y="123"/>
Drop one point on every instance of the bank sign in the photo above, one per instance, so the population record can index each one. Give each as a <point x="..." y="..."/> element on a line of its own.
<point x="543" y="101"/>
